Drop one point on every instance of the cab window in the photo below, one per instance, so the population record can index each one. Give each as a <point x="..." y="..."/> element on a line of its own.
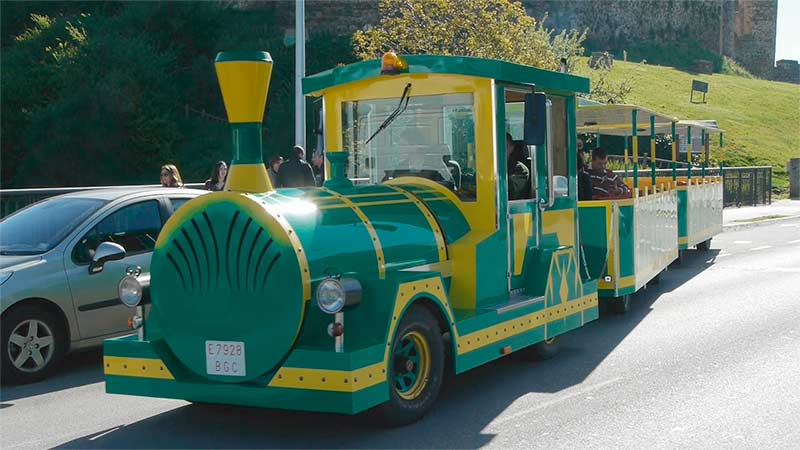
<point x="515" y="111"/>
<point x="560" y="151"/>
<point x="434" y="138"/>
<point x="134" y="227"/>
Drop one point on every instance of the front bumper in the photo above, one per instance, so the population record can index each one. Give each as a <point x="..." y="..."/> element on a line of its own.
<point x="309" y="380"/>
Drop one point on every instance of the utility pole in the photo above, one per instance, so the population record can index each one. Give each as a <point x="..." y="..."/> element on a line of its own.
<point x="299" y="73"/>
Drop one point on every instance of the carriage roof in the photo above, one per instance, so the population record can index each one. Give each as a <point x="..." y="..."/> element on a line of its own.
<point x="616" y="120"/>
<point x="451" y="65"/>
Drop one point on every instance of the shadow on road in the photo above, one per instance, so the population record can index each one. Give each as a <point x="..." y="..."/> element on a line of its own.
<point x="470" y="402"/>
<point x="77" y="369"/>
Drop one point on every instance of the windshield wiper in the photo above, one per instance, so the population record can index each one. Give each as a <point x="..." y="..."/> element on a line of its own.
<point x="400" y="108"/>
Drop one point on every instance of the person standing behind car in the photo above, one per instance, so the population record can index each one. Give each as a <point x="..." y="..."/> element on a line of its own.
<point x="273" y="169"/>
<point x="218" y="174"/>
<point x="296" y="172"/>
<point x="170" y="177"/>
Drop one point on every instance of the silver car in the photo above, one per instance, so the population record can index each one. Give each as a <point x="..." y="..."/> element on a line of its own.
<point x="58" y="284"/>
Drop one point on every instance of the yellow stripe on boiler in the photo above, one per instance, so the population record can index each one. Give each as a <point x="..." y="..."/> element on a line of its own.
<point x="370" y="229"/>
<point x="441" y="246"/>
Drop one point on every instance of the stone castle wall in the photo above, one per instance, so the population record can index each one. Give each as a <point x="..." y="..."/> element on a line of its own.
<point x="742" y="29"/>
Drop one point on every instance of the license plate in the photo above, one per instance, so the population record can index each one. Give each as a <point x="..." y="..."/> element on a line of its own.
<point x="225" y="358"/>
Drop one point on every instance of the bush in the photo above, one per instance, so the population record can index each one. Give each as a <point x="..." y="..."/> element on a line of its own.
<point x="731" y="67"/>
<point x="496" y="29"/>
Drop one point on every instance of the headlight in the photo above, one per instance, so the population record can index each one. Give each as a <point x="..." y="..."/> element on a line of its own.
<point x="130" y="291"/>
<point x="330" y="296"/>
<point x="4" y="276"/>
<point x="334" y="294"/>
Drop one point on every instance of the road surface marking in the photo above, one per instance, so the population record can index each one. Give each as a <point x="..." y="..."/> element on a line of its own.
<point x="793" y="225"/>
<point x="742" y="242"/>
<point x="794" y="241"/>
<point x="722" y="255"/>
<point x="763" y="247"/>
<point x="546" y="404"/>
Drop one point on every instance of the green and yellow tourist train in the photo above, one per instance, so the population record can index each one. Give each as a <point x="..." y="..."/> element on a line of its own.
<point x="411" y="261"/>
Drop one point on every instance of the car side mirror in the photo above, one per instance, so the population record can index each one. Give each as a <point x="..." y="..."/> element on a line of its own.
<point x="105" y="252"/>
<point x="535" y="118"/>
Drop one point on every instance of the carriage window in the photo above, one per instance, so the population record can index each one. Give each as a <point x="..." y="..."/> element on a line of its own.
<point x="433" y="138"/>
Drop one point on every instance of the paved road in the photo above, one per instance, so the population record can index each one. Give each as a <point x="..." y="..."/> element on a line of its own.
<point x="709" y="359"/>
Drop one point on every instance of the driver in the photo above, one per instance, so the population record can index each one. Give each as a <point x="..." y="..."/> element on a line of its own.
<point x="517" y="171"/>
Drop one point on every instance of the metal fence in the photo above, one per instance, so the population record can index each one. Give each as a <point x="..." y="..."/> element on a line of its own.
<point x="747" y="186"/>
<point x="743" y="186"/>
<point x="14" y="199"/>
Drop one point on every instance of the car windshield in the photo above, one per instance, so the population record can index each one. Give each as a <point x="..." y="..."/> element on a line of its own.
<point x="40" y="227"/>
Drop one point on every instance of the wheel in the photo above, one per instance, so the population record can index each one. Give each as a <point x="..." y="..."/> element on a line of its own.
<point x="622" y="304"/>
<point x="546" y="349"/>
<point x="416" y="365"/>
<point x="32" y="344"/>
<point x="656" y="279"/>
<point x="704" y="246"/>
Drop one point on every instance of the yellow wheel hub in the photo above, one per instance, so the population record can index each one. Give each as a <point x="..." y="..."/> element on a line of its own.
<point x="412" y="365"/>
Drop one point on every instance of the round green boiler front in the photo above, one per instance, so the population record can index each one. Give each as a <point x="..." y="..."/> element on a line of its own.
<point x="235" y="267"/>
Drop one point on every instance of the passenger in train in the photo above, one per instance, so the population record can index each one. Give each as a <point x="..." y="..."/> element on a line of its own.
<point x="605" y="183"/>
<point x="584" y="179"/>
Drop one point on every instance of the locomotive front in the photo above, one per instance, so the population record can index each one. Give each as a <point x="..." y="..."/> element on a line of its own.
<point x="250" y="287"/>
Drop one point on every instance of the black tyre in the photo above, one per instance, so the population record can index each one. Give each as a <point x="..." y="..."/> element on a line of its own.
<point x="546" y="349"/>
<point x="656" y="280"/>
<point x="622" y="304"/>
<point x="416" y="367"/>
<point x="33" y="343"/>
<point x="704" y="246"/>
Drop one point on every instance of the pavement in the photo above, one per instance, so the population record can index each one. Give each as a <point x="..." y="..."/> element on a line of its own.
<point x="734" y="218"/>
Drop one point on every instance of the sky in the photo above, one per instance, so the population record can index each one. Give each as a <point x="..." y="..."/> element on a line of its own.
<point x="787" y="42"/>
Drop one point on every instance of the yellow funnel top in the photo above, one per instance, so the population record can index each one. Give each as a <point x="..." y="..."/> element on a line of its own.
<point x="244" y="81"/>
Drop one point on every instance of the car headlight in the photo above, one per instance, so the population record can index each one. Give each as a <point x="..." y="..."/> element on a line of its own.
<point x="130" y="291"/>
<point x="333" y="294"/>
<point x="4" y="276"/>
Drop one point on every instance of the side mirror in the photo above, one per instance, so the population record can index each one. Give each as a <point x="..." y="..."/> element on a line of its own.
<point x="535" y="118"/>
<point x="106" y="251"/>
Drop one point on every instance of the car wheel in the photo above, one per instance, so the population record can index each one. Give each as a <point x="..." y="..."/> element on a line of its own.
<point x="32" y="344"/>
<point x="704" y="246"/>
<point x="416" y="367"/>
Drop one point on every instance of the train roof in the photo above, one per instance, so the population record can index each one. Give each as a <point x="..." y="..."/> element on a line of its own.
<point x="452" y="65"/>
<point x="616" y="120"/>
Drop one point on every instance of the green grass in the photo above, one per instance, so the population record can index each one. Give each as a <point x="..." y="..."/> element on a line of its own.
<point x="761" y="118"/>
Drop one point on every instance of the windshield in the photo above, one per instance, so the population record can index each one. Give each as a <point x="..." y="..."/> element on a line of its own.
<point x="40" y="227"/>
<point x="434" y="138"/>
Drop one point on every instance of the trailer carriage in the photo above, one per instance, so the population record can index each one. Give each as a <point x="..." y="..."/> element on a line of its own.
<point x="629" y="242"/>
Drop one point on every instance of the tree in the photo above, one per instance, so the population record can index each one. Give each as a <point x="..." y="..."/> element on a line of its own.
<point x="496" y="29"/>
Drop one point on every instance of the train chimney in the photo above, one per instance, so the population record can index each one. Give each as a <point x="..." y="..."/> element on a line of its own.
<point x="244" y="80"/>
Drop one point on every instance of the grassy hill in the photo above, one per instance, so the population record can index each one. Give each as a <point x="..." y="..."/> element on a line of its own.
<point x="761" y="118"/>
